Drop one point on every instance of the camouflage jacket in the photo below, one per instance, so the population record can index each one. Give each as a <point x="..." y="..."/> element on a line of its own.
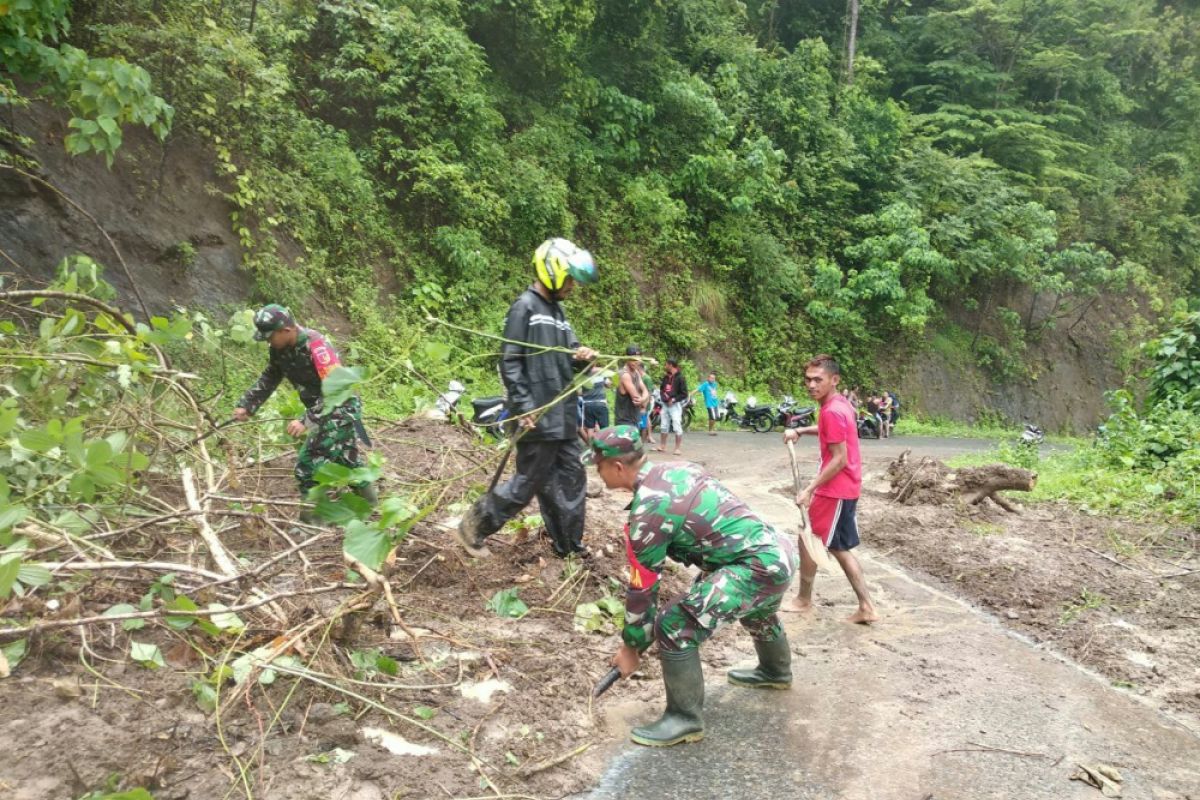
<point x="305" y="365"/>
<point x="680" y="511"/>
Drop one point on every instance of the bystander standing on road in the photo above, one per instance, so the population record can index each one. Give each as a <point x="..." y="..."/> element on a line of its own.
<point x="593" y="403"/>
<point x="673" y="390"/>
<point x="885" y="414"/>
<point x="709" y="389"/>
<point x="631" y="392"/>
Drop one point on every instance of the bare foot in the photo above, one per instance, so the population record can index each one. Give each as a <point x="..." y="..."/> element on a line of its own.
<point x="678" y="452"/>
<point x="658" y="449"/>
<point x="797" y="605"/>
<point x="863" y="616"/>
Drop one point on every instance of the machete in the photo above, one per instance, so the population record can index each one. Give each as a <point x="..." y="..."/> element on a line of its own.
<point x="606" y="682"/>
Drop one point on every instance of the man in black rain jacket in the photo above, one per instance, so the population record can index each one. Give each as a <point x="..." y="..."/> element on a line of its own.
<point x="538" y="363"/>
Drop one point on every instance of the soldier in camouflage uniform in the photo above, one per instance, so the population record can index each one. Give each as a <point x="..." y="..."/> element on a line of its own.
<point x="680" y="512"/>
<point x="304" y="357"/>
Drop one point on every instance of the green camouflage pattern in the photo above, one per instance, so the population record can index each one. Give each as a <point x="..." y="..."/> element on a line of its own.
<point x="681" y="512"/>
<point x="618" y="440"/>
<point x="333" y="438"/>
<point x="269" y="319"/>
<point x="296" y="364"/>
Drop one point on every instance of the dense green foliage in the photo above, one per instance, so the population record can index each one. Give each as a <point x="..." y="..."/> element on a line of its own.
<point x="993" y="163"/>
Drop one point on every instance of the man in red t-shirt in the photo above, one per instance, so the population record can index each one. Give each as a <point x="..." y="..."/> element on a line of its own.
<point x="831" y="497"/>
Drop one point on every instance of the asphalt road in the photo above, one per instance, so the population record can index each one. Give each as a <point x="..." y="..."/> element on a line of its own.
<point x="937" y="701"/>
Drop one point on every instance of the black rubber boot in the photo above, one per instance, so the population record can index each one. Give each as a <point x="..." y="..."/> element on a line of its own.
<point x="368" y="492"/>
<point x="468" y="533"/>
<point x="774" y="670"/>
<point x="683" y="720"/>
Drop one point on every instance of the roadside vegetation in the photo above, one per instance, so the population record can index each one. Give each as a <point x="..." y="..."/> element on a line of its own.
<point x="750" y="181"/>
<point x="1145" y="459"/>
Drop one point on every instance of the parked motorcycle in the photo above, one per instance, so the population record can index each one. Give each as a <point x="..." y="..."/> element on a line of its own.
<point x="758" y="418"/>
<point x="1032" y="435"/>
<point x="868" y="425"/>
<point x="790" y="415"/>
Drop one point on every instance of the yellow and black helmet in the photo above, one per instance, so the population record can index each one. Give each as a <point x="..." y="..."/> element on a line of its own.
<point x="557" y="259"/>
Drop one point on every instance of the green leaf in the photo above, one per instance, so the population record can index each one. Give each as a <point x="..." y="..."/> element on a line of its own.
<point x="342" y="510"/>
<point x="507" y="603"/>
<point x="33" y="575"/>
<point x="425" y="712"/>
<point x="146" y="654"/>
<point x="10" y="565"/>
<point x="341" y="384"/>
<point x="436" y="351"/>
<point x="206" y="696"/>
<point x="128" y="624"/>
<point x="104" y="475"/>
<point x="99" y="453"/>
<point x="332" y="474"/>
<point x="132" y="794"/>
<point x="181" y="603"/>
<point x="81" y="484"/>
<point x="37" y="440"/>
<point x="11" y="516"/>
<point x="367" y="543"/>
<point x="13" y="652"/>
<point x="224" y="619"/>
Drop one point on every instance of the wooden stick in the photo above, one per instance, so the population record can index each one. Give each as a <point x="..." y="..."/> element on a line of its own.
<point x="16" y="633"/>
<point x="808" y="540"/>
<point x="156" y="566"/>
<point x="554" y="762"/>
<point x="220" y="556"/>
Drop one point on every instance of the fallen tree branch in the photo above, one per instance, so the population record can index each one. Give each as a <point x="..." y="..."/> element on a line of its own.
<point x="554" y="762"/>
<point x="216" y="550"/>
<point x="49" y="625"/>
<point x="156" y="566"/>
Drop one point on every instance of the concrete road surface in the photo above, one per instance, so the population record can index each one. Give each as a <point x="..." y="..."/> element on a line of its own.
<point x="936" y="702"/>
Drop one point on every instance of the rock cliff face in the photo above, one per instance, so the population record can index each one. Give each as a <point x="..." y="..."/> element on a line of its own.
<point x="162" y="207"/>
<point x="159" y="204"/>
<point x="1071" y="372"/>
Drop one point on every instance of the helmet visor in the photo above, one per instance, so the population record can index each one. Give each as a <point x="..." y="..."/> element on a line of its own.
<point x="581" y="267"/>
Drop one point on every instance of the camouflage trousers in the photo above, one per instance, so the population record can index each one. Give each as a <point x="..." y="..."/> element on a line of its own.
<point x="335" y="438"/>
<point x="749" y="593"/>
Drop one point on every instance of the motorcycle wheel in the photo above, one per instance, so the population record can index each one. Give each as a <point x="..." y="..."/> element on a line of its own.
<point x="763" y="424"/>
<point x="688" y="416"/>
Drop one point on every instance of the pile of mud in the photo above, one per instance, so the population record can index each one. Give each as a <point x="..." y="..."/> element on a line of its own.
<point x="466" y="700"/>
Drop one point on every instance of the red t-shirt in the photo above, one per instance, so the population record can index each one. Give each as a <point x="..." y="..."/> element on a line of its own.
<point x="837" y="422"/>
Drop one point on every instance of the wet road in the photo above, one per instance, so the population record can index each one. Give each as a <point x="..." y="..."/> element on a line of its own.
<point x="921" y="706"/>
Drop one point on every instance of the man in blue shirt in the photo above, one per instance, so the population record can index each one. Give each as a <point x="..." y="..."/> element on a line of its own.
<point x="711" y="404"/>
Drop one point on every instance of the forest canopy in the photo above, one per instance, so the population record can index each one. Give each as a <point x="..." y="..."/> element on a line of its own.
<point x="759" y="179"/>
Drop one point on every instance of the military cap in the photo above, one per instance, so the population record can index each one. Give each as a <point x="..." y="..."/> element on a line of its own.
<point x="269" y="319"/>
<point x="619" y="440"/>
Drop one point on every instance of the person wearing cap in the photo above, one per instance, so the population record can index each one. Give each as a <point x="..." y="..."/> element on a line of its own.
<point x="682" y="513"/>
<point x="631" y="391"/>
<point x="304" y="357"/>
<point x="538" y="363"/>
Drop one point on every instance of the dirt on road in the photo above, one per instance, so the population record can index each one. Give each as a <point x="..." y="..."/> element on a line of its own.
<point x="484" y="704"/>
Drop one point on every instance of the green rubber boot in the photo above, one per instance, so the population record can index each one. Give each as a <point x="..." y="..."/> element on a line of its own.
<point x="682" y="721"/>
<point x="774" y="670"/>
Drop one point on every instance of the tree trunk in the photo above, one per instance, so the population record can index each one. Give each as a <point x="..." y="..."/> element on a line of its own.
<point x="851" y="39"/>
<point x="932" y="482"/>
